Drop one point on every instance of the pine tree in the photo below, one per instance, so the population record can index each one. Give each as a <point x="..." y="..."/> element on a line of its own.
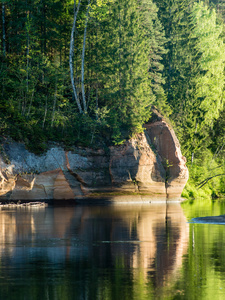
<point x="128" y="68"/>
<point x="127" y="91"/>
<point x="117" y="65"/>
<point x="194" y="70"/>
<point x="155" y="34"/>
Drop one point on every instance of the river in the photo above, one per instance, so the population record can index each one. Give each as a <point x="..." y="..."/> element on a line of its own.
<point x="148" y="251"/>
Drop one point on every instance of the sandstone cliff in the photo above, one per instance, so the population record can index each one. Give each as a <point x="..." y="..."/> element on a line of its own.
<point x="131" y="169"/>
<point x="164" y="140"/>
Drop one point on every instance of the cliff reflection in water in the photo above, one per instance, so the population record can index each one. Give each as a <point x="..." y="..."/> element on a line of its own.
<point x="100" y="251"/>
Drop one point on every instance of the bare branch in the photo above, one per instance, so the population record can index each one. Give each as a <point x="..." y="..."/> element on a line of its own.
<point x="201" y="184"/>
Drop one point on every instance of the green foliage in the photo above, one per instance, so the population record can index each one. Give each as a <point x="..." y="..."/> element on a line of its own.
<point x="194" y="71"/>
<point x="122" y="70"/>
<point x="122" y="64"/>
<point x="205" y="166"/>
<point x="138" y="54"/>
<point x="191" y="192"/>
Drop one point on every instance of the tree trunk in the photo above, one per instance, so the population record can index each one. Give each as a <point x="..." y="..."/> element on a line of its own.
<point x="96" y="103"/>
<point x="201" y="184"/>
<point x="3" y="30"/>
<point x="54" y="104"/>
<point x="46" y="109"/>
<point x="192" y="155"/>
<point x="219" y="149"/>
<point x="28" y="53"/>
<point x="76" y="10"/>
<point x="43" y="28"/>
<point x="31" y="100"/>
<point x="82" y="60"/>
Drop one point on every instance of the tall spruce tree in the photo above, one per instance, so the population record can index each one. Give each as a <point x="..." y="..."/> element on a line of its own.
<point x="194" y="69"/>
<point x="127" y="91"/>
<point x="123" y="69"/>
<point x="156" y="36"/>
<point x="117" y="67"/>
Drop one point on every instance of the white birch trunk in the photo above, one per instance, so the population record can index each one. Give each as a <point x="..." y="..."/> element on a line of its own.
<point x="46" y="109"/>
<point x="54" y="104"/>
<point x="76" y="10"/>
<point x="96" y="103"/>
<point x="28" y="53"/>
<point x="3" y="30"/>
<point x="82" y="59"/>
<point x="31" y="100"/>
<point x="192" y="155"/>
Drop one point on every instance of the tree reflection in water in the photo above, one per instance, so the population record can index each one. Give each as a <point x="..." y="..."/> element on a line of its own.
<point x="89" y="252"/>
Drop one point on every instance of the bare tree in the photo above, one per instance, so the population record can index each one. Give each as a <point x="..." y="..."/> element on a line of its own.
<point x="54" y="104"/>
<point x="82" y="59"/>
<point x="201" y="184"/>
<point x="76" y="10"/>
<point x="46" y="110"/>
<point x="3" y="30"/>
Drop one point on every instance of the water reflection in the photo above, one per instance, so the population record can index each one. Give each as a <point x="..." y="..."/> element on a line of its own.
<point x="100" y="252"/>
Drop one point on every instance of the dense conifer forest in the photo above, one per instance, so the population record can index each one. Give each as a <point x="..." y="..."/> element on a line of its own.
<point x="87" y="73"/>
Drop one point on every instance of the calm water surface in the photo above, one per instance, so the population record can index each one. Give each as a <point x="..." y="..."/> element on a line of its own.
<point x="120" y="252"/>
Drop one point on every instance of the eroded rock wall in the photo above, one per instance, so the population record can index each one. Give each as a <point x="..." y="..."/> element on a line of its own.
<point x="134" y="166"/>
<point x="129" y="169"/>
<point x="167" y="146"/>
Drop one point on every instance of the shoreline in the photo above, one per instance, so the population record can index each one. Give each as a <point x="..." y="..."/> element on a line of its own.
<point x="104" y="200"/>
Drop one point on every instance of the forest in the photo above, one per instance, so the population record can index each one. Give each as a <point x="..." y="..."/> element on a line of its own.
<point x="87" y="72"/>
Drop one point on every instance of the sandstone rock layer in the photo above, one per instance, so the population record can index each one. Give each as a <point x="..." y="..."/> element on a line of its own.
<point x="166" y="145"/>
<point x="129" y="172"/>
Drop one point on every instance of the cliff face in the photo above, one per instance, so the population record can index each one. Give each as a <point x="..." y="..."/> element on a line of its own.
<point x="167" y="146"/>
<point x="130" y="169"/>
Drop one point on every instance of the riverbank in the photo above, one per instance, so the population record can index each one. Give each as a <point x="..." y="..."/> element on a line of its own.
<point x="150" y="164"/>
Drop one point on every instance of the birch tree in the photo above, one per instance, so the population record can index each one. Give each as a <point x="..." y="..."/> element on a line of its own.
<point x="3" y="30"/>
<point x="94" y="11"/>
<point x="76" y="11"/>
<point x="82" y="60"/>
